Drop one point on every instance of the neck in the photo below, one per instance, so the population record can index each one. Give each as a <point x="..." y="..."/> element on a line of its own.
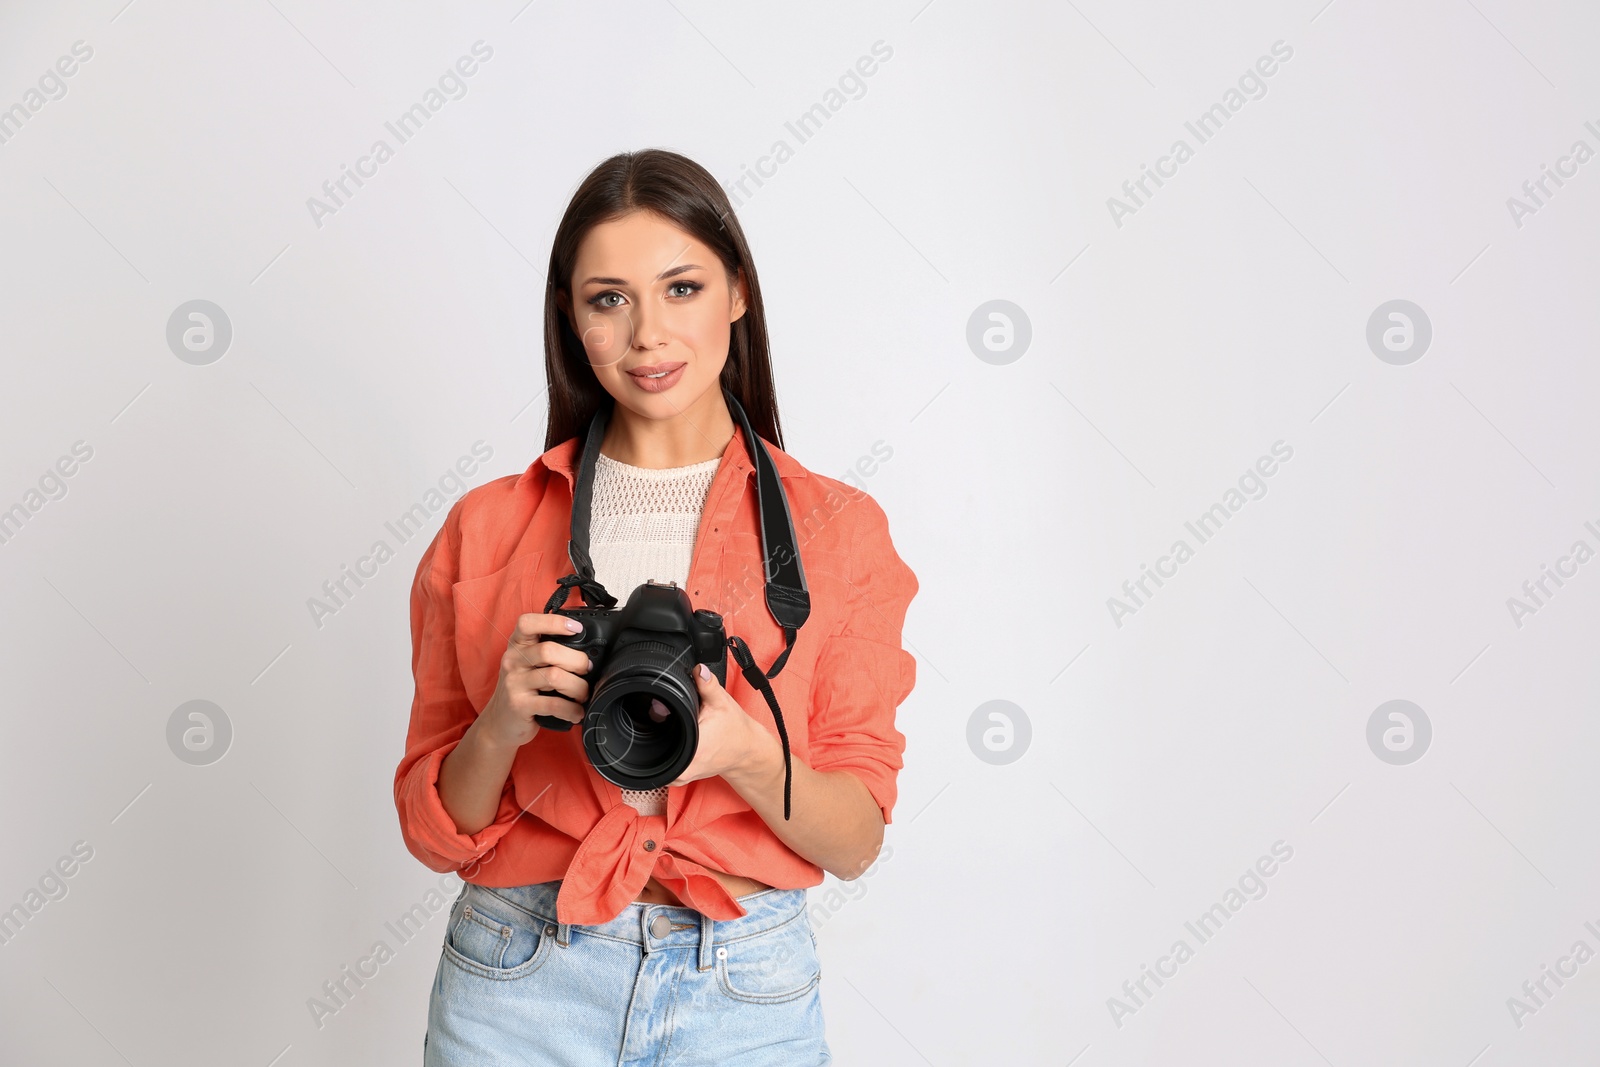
<point x="698" y="433"/>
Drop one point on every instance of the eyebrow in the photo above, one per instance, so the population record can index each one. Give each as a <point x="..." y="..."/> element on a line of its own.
<point x="664" y="274"/>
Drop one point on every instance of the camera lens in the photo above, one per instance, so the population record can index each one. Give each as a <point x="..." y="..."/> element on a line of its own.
<point x="626" y="743"/>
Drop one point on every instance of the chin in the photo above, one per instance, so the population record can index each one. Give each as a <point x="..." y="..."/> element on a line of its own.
<point x="655" y="409"/>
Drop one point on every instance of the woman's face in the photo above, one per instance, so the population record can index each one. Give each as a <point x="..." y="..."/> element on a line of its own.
<point x="653" y="306"/>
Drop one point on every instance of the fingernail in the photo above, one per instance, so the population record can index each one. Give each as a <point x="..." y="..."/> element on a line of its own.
<point x="591" y="667"/>
<point x="575" y="626"/>
<point x="705" y="672"/>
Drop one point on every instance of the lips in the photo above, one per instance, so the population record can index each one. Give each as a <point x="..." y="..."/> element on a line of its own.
<point x="667" y="376"/>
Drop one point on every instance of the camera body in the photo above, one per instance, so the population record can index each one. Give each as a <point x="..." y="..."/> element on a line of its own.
<point x="645" y="654"/>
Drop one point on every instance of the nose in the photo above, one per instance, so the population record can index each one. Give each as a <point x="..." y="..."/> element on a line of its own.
<point x="648" y="327"/>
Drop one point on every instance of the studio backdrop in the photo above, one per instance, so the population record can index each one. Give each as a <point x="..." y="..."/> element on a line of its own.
<point x="1226" y="372"/>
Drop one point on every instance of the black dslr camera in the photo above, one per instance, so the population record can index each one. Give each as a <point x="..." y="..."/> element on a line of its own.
<point x="646" y="650"/>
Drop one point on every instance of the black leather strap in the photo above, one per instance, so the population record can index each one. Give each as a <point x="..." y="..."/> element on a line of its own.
<point x="753" y="675"/>
<point x="594" y="594"/>
<point x="787" y="597"/>
<point x="582" y="503"/>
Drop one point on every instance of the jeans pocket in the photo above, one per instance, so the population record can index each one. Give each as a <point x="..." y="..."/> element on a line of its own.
<point x="771" y="967"/>
<point x="493" y="938"/>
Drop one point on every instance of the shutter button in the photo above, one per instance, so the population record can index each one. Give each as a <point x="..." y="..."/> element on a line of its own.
<point x="660" y="925"/>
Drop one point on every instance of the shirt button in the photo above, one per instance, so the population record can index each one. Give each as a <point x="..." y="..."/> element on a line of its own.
<point x="660" y="926"/>
<point x="649" y="846"/>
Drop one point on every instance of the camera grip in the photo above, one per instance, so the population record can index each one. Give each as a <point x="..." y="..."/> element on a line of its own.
<point x="583" y="641"/>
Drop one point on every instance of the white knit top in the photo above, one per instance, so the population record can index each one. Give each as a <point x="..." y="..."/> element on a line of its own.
<point x="642" y="524"/>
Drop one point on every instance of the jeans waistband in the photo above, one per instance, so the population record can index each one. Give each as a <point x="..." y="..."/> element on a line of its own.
<point x="639" y="922"/>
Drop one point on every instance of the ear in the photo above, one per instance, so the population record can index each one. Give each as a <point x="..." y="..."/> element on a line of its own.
<point x="738" y="303"/>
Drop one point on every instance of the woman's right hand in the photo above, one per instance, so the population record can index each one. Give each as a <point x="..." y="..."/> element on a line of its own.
<point x="532" y="663"/>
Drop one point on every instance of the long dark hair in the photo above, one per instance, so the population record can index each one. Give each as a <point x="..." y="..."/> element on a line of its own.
<point x="685" y="194"/>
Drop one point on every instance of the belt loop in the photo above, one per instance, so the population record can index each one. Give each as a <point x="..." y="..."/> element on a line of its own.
<point x="549" y="895"/>
<point x="708" y="928"/>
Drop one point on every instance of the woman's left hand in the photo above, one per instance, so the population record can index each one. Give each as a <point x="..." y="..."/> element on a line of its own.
<point x="731" y="742"/>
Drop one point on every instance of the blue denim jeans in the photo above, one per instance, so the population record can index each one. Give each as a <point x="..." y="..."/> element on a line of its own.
<point x="658" y="985"/>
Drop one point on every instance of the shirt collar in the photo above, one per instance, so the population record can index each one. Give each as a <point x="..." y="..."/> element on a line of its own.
<point x="563" y="458"/>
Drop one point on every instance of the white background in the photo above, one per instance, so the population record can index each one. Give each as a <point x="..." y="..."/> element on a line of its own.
<point x="1168" y="353"/>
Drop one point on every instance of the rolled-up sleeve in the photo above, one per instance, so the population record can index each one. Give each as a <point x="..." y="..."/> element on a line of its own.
<point x="441" y="712"/>
<point x="862" y="673"/>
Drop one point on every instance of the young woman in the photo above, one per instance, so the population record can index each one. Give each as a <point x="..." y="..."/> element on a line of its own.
<point x="603" y="926"/>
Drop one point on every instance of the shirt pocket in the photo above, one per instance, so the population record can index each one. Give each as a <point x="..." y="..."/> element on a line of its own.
<point x="486" y="611"/>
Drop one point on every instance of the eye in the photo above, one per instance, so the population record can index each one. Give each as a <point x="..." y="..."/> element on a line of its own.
<point x="693" y="287"/>
<point x="598" y="300"/>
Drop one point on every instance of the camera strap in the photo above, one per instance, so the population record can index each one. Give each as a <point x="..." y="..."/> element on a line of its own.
<point x="594" y="594"/>
<point x="785" y="580"/>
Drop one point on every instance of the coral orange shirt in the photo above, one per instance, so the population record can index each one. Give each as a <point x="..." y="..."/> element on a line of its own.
<point x="498" y="555"/>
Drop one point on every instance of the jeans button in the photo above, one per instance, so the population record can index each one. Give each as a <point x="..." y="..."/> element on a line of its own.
<point x="660" y="925"/>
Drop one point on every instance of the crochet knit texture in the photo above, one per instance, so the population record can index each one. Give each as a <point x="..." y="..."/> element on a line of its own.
<point x="643" y="522"/>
